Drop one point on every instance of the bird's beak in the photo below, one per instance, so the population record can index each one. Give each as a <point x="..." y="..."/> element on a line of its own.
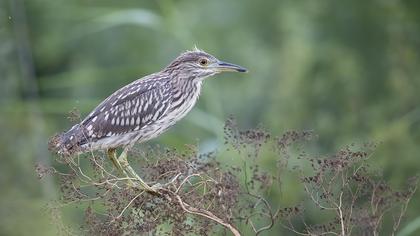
<point x="222" y="66"/>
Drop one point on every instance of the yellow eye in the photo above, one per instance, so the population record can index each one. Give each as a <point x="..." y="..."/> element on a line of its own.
<point x="203" y="61"/>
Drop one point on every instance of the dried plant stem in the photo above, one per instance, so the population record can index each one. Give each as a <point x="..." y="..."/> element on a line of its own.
<point x="196" y="195"/>
<point x="201" y="212"/>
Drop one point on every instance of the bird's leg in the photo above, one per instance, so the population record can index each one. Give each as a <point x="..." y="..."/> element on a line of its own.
<point x="122" y="159"/>
<point x="113" y="157"/>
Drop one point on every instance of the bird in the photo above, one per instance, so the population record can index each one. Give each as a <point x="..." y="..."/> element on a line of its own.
<point x="142" y="110"/>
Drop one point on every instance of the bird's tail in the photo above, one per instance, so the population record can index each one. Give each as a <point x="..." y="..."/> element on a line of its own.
<point x="67" y="143"/>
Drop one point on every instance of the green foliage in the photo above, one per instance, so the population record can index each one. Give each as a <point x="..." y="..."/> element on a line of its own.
<point x="346" y="69"/>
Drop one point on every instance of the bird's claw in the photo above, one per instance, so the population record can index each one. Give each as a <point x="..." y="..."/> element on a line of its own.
<point x="154" y="189"/>
<point x="157" y="186"/>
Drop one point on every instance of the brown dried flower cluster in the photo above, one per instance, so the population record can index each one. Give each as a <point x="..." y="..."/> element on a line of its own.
<point x="201" y="194"/>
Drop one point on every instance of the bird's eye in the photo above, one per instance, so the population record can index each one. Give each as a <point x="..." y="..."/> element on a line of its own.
<point x="203" y="61"/>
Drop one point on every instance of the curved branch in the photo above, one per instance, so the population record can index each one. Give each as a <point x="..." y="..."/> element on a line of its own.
<point x="202" y="212"/>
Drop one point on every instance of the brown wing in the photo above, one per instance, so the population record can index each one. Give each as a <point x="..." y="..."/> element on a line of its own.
<point x="128" y="109"/>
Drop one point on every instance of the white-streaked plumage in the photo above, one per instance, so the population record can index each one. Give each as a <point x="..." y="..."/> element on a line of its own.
<point x="145" y="108"/>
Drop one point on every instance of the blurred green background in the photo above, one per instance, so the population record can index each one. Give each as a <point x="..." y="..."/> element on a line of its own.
<point x="347" y="69"/>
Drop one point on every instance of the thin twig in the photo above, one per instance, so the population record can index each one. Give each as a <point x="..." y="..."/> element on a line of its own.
<point x="202" y="212"/>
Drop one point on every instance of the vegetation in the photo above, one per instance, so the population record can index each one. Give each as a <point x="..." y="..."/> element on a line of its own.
<point x="201" y="196"/>
<point x="347" y="70"/>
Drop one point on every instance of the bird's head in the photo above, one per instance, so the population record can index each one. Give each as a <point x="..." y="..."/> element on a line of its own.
<point x="198" y="64"/>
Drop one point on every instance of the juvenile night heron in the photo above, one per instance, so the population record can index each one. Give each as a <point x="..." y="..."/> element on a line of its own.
<point x="142" y="110"/>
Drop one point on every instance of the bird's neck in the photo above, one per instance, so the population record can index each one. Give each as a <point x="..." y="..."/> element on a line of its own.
<point x="187" y="85"/>
<point x="184" y="96"/>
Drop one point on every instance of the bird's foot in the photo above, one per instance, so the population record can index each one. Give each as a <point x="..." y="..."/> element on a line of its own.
<point x="136" y="180"/>
<point x="154" y="189"/>
<point x="134" y="183"/>
<point x="157" y="186"/>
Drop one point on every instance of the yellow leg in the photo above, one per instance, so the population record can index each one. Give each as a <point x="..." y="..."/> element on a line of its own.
<point x="113" y="157"/>
<point x="122" y="159"/>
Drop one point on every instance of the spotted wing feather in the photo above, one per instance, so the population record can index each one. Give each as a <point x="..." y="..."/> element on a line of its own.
<point x="129" y="109"/>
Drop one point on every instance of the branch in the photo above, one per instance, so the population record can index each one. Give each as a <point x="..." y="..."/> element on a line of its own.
<point x="201" y="212"/>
